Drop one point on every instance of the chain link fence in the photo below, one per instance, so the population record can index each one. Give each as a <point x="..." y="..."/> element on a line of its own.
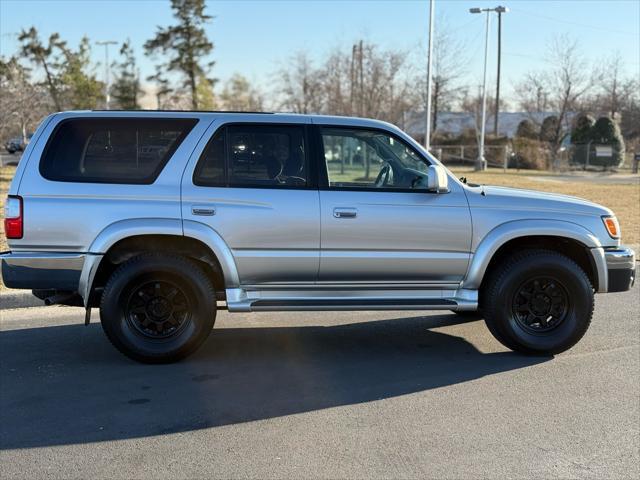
<point x="528" y="154"/>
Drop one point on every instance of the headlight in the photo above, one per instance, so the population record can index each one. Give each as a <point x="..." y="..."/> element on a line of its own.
<point x="612" y="226"/>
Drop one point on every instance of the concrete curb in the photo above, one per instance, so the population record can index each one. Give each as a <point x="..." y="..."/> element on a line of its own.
<point x="18" y="299"/>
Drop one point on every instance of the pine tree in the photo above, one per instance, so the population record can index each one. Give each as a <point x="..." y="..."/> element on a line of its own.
<point x="81" y="89"/>
<point x="126" y="87"/>
<point x="186" y="44"/>
<point x="33" y="49"/>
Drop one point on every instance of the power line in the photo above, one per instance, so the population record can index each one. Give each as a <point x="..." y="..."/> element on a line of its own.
<point x="569" y="22"/>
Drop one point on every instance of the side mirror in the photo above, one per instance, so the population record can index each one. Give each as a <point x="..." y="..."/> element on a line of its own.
<point x="437" y="179"/>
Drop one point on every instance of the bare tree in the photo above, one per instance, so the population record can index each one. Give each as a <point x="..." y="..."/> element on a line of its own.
<point x="533" y="95"/>
<point x="448" y="68"/>
<point x="239" y="95"/>
<point x="301" y="85"/>
<point x="22" y="103"/>
<point x="363" y="81"/>
<point x="564" y="83"/>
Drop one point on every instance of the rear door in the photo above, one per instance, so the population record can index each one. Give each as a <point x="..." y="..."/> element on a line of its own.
<point x="253" y="185"/>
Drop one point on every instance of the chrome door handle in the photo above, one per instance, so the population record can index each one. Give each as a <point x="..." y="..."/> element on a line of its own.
<point x="203" y="210"/>
<point x="345" y="213"/>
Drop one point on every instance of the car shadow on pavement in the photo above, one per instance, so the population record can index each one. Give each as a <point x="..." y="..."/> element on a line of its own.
<point x="66" y="385"/>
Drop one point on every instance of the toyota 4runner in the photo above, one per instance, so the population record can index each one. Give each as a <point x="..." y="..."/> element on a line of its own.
<point x="161" y="218"/>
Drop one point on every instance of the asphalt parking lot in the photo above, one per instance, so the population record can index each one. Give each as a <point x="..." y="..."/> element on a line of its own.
<point x="311" y="395"/>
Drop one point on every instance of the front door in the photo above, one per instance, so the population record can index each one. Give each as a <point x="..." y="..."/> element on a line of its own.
<point x="379" y="222"/>
<point x="252" y="186"/>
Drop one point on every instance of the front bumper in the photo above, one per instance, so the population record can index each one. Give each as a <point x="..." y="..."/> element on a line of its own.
<point x="42" y="270"/>
<point x="621" y="268"/>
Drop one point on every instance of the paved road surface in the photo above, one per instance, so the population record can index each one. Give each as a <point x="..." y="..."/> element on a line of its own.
<point x="367" y="395"/>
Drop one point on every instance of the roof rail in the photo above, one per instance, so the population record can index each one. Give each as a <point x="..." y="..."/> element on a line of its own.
<point x="180" y="111"/>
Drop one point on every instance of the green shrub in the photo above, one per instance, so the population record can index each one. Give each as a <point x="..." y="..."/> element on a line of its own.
<point x="549" y="128"/>
<point x="607" y="132"/>
<point x="582" y="129"/>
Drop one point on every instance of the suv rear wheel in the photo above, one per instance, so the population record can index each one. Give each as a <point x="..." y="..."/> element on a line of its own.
<point x="158" y="308"/>
<point x="538" y="302"/>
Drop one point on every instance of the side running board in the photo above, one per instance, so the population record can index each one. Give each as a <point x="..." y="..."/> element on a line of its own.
<point x="239" y="300"/>
<point x="352" y="304"/>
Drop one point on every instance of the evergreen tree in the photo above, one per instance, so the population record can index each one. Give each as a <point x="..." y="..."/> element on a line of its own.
<point x="582" y="128"/>
<point x="607" y="132"/>
<point x="126" y="87"/>
<point x="42" y="55"/>
<point x="549" y="129"/>
<point x="82" y="90"/>
<point x="527" y="129"/>
<point x="186" y="44"/>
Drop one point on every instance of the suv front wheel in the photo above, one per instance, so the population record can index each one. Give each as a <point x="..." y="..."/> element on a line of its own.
<point x="158" y="308"/>
<point x="538" y="302"/>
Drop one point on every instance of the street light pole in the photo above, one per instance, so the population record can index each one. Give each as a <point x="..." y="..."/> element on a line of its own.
<point x="481" y="163"/>
<point x="107" y="80"/>
<point x="427" y="135"/>
<point x="500" y="10"/>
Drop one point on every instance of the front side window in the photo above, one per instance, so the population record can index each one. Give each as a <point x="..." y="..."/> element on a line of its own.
<point x="112" y="150"/>
<point x="359" y="158"/>
<point x="269" y="156"/>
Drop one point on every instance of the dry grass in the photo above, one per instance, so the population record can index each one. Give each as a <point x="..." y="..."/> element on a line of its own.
<point x="624" y="200"/>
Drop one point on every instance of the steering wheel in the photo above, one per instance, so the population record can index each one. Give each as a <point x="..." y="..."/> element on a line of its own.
<point x="383" y="175"/>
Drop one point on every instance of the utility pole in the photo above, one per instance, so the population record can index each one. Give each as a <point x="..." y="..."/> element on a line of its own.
<point x="361" y="68"/>
<point x="427" y="135"/>
<point x="107" y="67"/>
<point x="481" y="163"/>
<point x="500" y="10"/>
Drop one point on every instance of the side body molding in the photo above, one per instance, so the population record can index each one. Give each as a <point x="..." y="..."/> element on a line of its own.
<point x="527" y="228"/>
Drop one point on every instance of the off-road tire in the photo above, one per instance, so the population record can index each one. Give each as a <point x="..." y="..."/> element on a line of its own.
<point x="500" y="297"/>
<point x="182" y="331"/>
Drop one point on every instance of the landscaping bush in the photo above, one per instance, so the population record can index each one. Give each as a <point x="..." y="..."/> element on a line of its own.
<point x="528" y="154"/>
<point x="607" y="132"/>
<point x="527" y="129"/>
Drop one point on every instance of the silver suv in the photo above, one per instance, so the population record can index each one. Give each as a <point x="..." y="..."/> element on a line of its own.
<point x="161" y="218"/>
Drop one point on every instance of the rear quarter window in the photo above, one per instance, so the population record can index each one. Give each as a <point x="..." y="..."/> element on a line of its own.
<point x="112" y="150"/>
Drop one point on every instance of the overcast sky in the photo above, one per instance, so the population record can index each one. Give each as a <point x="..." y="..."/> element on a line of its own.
<point x="255" y="38"/>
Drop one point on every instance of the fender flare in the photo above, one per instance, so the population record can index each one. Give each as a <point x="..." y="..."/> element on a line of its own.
<point x="155" y="226"/>
<point x="218" y="246"/>
<point x="508" y="231"/>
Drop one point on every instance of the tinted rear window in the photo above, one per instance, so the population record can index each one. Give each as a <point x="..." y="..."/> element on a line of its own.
<point x="255" y="156"/>
<point x="112" y="150"/>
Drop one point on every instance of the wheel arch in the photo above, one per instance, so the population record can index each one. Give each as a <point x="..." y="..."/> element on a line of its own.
<point x="570" y="239"/>
<point x="123" y="240"/>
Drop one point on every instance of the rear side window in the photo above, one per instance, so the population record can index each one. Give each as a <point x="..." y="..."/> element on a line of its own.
<point x="112" y="150"/>
<point x="258" y="156"/>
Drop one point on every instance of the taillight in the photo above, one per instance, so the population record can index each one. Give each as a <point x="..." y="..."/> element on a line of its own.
<point x="13" y="221"/>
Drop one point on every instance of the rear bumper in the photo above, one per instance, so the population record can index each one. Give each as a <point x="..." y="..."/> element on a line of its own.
<point x="621" y="269"/>
<point x="42" y="270"/>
